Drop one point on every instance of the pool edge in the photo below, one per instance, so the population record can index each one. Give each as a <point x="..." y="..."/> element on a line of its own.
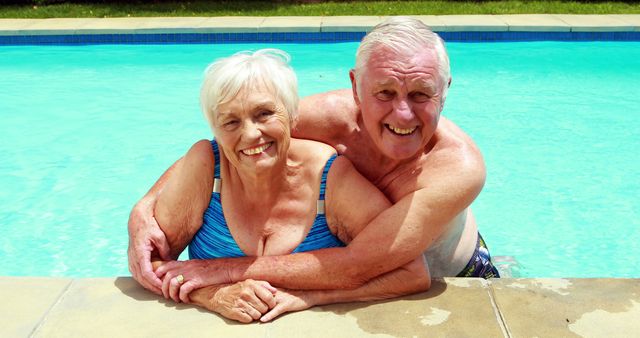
<point x="502" y="307"/>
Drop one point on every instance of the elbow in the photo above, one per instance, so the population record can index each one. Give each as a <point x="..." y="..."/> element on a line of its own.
<point x="421" y="280"/>
<point x="423" y="284"/>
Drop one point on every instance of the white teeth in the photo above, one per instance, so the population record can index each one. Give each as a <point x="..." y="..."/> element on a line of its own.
<point x="401" y="131"/>
<point x="256" y="150"/>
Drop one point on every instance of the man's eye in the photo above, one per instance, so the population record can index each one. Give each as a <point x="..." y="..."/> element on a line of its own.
<point x="419" y="96"/>
<point x="384" y="95"/>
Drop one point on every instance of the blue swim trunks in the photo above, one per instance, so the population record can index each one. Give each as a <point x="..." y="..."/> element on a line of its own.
<point x="480" y="263"/>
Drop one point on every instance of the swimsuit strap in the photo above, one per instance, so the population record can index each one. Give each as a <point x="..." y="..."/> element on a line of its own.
<point x="217" y="182"/>
<point x="323" y="184"/>
<point x="325" y="171"/>
<point x="216" y="156"/>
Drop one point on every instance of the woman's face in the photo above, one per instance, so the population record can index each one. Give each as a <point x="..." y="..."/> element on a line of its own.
<point x="253" y="129"/>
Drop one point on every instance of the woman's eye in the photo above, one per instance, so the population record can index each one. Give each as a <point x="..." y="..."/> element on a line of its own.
<point x="265" y="113"/>
<point x="229" y="124"/>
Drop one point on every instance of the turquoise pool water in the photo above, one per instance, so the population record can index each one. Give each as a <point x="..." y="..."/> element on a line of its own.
<point x="85" y="130"/>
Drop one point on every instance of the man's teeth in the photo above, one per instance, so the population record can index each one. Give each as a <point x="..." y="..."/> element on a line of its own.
<point x="401" y="131"/>
<point x="256" y="150"/>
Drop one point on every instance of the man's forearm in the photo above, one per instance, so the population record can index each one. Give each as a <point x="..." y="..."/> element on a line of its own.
<point x="405" y="280"/>
<point x="394" y="238"/>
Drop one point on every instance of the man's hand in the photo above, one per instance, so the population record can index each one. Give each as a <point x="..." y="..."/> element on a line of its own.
<point x="145" y="237"/>
<point x="288" y="301"/>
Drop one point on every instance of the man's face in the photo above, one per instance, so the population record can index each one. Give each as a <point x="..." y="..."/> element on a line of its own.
<point x="400" y="100"/>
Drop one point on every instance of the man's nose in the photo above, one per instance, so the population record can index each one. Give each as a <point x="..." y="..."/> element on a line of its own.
<point x="402" y="110"/>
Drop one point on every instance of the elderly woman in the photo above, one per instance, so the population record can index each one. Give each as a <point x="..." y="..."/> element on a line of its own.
<point x="254" y="191"/>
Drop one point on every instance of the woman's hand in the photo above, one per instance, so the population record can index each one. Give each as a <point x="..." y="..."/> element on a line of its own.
<point x="196" y="273"/>
<point x="244" y="301"/>
<point x="289" y="301"/>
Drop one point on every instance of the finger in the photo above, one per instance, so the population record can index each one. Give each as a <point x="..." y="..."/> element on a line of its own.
<point x="241" y="316"/>
<point x="266" y="296"/>
<point x="186" y="288"/>
<point x="174" y="289"/>
<point x="160" y="241"/>
<point x="144" y="280"/>
<point x="164" y="268"/>
<point x="268" y="286"/>
<point x="252" y="312"/>
<point x="275" y="312"/>
<point x="146" y="274"/>
<point x="259" y="305"/>
<point x="165" y="285"/>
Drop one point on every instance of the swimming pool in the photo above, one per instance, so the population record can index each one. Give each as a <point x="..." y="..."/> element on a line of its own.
<point x="87" y="129"/>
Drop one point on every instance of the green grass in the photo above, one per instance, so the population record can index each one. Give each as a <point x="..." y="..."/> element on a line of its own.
<point x="314" y="8"/>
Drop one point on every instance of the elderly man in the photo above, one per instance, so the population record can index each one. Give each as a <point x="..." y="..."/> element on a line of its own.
<point x="389" y="126"/>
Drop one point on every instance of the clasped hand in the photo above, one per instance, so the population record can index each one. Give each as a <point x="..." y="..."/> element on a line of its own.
<point x="243" y="301"/>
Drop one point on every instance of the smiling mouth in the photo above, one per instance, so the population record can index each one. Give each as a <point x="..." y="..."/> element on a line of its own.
<point x="400" y="131"/>
<point x="256" y="150"/>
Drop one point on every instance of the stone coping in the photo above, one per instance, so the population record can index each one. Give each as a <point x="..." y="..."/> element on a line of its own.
<point x="440" y="23"/>
<point x="453" y="307"/>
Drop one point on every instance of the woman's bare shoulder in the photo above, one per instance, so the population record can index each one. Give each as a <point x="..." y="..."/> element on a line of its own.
<point x="200" y="154"/>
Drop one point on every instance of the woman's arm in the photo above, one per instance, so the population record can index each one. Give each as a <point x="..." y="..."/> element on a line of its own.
<point x="146" y="238"/>
<point x="182" y="202"/>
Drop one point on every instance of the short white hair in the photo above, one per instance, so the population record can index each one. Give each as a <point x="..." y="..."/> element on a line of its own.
<point x="403" y="35"/>
<point x="269" y="68"/>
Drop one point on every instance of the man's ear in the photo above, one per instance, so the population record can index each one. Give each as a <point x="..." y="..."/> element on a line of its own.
<point x="444" y="98"/>
<point x="354" y="86"/>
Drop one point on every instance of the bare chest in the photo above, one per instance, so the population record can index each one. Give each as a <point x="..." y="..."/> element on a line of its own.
<point x="395" y="181"/>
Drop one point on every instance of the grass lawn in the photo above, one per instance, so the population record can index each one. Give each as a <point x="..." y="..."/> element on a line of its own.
<point x="308" y="8"/>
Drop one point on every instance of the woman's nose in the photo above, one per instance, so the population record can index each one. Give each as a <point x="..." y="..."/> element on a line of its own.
<point x="251" y="130"/>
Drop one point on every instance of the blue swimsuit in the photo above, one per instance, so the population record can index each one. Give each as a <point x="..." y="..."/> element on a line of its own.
<point x="214" y="240"/>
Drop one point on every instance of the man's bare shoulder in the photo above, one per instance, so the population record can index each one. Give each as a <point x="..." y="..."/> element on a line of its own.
<point x="454" y="161"/>
<point x="323" y="116"/>
<point x="453" y="145"/>
<point x="340" y="100"/>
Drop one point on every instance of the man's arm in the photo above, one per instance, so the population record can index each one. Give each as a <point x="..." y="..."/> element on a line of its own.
<point x="395" y="237"/>
<point x="409" y="279"/>
<point x="324" y="117"/>
<point x="146" y="238"/>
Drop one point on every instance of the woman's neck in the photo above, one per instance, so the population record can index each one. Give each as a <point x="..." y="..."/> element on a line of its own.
<point x="259" y="188"/>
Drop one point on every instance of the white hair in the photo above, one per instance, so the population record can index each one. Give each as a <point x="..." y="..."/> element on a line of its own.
<point x="269" y="67"/>
<point x="403" y="35"/>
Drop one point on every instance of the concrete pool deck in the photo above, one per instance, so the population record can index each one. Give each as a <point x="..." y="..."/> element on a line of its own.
<point x="454" y="307"/>
<point x="440" y="23"/>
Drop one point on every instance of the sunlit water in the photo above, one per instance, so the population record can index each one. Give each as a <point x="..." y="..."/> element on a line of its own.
<point x="86" y="130"/>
